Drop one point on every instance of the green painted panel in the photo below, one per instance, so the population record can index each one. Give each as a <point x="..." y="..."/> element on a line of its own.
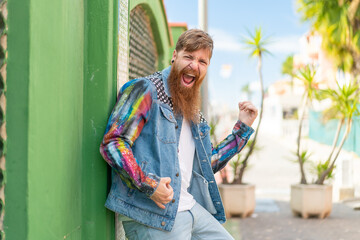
<point x="176" y="31"/>
<point x="99" y="98"/>
<point x="159" y="25"/>
<point x="55" y="119"/>
<point x="17" y="114"/>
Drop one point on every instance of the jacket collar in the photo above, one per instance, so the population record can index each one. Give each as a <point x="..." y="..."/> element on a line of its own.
<point x="165" y="75"/>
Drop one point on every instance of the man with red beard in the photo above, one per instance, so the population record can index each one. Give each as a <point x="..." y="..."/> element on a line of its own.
<point x="158" y="145"/>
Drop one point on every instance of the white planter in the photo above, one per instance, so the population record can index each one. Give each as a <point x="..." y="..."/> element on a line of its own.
<point x="238" y="199"/>
<point x="311" y="200"/>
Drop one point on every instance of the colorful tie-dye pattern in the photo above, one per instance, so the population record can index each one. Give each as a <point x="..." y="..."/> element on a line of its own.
<point x="230" y="146"/>
<point x="127" y="120"/>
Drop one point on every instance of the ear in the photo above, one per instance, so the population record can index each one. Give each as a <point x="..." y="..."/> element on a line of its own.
<point x="174" y="55"/>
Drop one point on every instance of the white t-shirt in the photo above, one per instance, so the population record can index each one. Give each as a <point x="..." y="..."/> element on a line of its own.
<point x="186" y="159"/>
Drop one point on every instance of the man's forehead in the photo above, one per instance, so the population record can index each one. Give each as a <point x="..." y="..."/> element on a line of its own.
<point x="206" y="50"/>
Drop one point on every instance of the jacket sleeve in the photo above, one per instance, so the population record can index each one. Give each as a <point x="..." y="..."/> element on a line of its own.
<point x="230" y="146"/>
<point x="126" y="121"/>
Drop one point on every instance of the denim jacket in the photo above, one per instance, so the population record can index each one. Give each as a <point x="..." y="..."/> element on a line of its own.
<point x="141" y="145"/>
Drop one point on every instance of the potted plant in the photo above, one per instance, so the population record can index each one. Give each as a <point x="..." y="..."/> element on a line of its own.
<point x="315" y="198"/>
<point x="239" y="197"/>
<point x="340" y="43"/>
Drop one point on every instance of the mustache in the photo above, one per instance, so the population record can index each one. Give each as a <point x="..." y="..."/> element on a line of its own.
<point x="188" y="70"/>
<point x="186" y="101"/>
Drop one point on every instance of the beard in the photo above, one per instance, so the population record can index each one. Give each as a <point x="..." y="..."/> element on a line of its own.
<point x="186" y="100"/>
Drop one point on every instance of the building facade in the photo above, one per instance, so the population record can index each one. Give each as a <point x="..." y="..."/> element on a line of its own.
<point x="65" y="62"/>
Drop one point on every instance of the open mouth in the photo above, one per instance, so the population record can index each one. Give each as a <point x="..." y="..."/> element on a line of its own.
<point x="188" y="79"/>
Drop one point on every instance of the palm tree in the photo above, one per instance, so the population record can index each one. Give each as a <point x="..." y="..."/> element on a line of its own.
<point x="288" y="69"/>
<point x="214" y="121"/>
<point x="345" y="102"/>
<point x="307" y="76"/>
<point x="256" y="44"/>
<point x="338" y="22"/>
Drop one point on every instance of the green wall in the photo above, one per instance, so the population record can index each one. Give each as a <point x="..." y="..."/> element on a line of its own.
<point x="55" y="118"/>
<point x="100" y="54"/>
<point x="176" y="31"/>
<point x="17" y="117"/>
<point x="60" y="85"/>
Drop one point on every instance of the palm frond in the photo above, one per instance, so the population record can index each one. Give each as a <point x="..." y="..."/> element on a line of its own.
<point x="256" y="42"/>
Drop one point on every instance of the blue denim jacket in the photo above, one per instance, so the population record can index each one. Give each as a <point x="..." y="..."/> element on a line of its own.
<point x="155" y="149"/>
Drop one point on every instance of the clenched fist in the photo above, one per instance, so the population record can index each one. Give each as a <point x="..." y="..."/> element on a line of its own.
<point x="247" y="113"/>
<point x="163" y="193"/>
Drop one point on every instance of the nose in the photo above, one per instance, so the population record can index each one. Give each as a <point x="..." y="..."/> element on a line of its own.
<point x="194" y="65"/>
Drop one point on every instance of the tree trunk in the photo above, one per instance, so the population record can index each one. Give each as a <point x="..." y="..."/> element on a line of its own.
<point x="327" y="171"/>
<point x="301" y="120"/>
<point x="238" y="180"/>
<point x="337" y="134"/>
<point x="252" y="146"/>
<point x="346" y="134"/>
<point x="223" y="175"/>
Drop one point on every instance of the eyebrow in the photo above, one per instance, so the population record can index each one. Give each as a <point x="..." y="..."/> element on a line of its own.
<point x="186" y="53"/>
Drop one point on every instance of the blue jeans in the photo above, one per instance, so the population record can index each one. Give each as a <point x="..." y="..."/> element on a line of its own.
<point x="196" y="223"/>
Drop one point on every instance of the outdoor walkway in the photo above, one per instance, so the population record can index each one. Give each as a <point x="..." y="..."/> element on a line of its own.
<point x="273" y="220"/>
<point x="272" y="172"/>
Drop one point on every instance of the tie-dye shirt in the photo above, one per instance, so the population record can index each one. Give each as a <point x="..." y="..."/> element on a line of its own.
<point x="230" y="146"/>
<point x="126" y="121"/>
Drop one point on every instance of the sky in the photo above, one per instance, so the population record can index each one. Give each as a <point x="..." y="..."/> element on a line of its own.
<point x="228" y="22"/>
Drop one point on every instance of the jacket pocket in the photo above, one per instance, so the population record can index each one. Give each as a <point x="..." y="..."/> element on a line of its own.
<point x="199" y="189"/>
<point x="204" y="132"/>
<point x="165" y="129"/>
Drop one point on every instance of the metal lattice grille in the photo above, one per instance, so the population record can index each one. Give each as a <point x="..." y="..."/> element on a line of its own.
<point x="143" y="53"/>
<point x="3" y="56"/>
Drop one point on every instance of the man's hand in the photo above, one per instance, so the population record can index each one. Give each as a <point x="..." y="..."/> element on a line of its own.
<point x="247" y="113"/>
<point x="164" y="193"/>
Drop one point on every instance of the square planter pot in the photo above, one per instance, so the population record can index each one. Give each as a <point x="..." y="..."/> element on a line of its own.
<point x="238" y="199"/>
<point x="311" y="200"/>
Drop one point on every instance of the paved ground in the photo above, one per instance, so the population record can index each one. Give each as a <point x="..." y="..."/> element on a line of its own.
<point x="280" y="224"/>
<point x="272" y="171"/>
